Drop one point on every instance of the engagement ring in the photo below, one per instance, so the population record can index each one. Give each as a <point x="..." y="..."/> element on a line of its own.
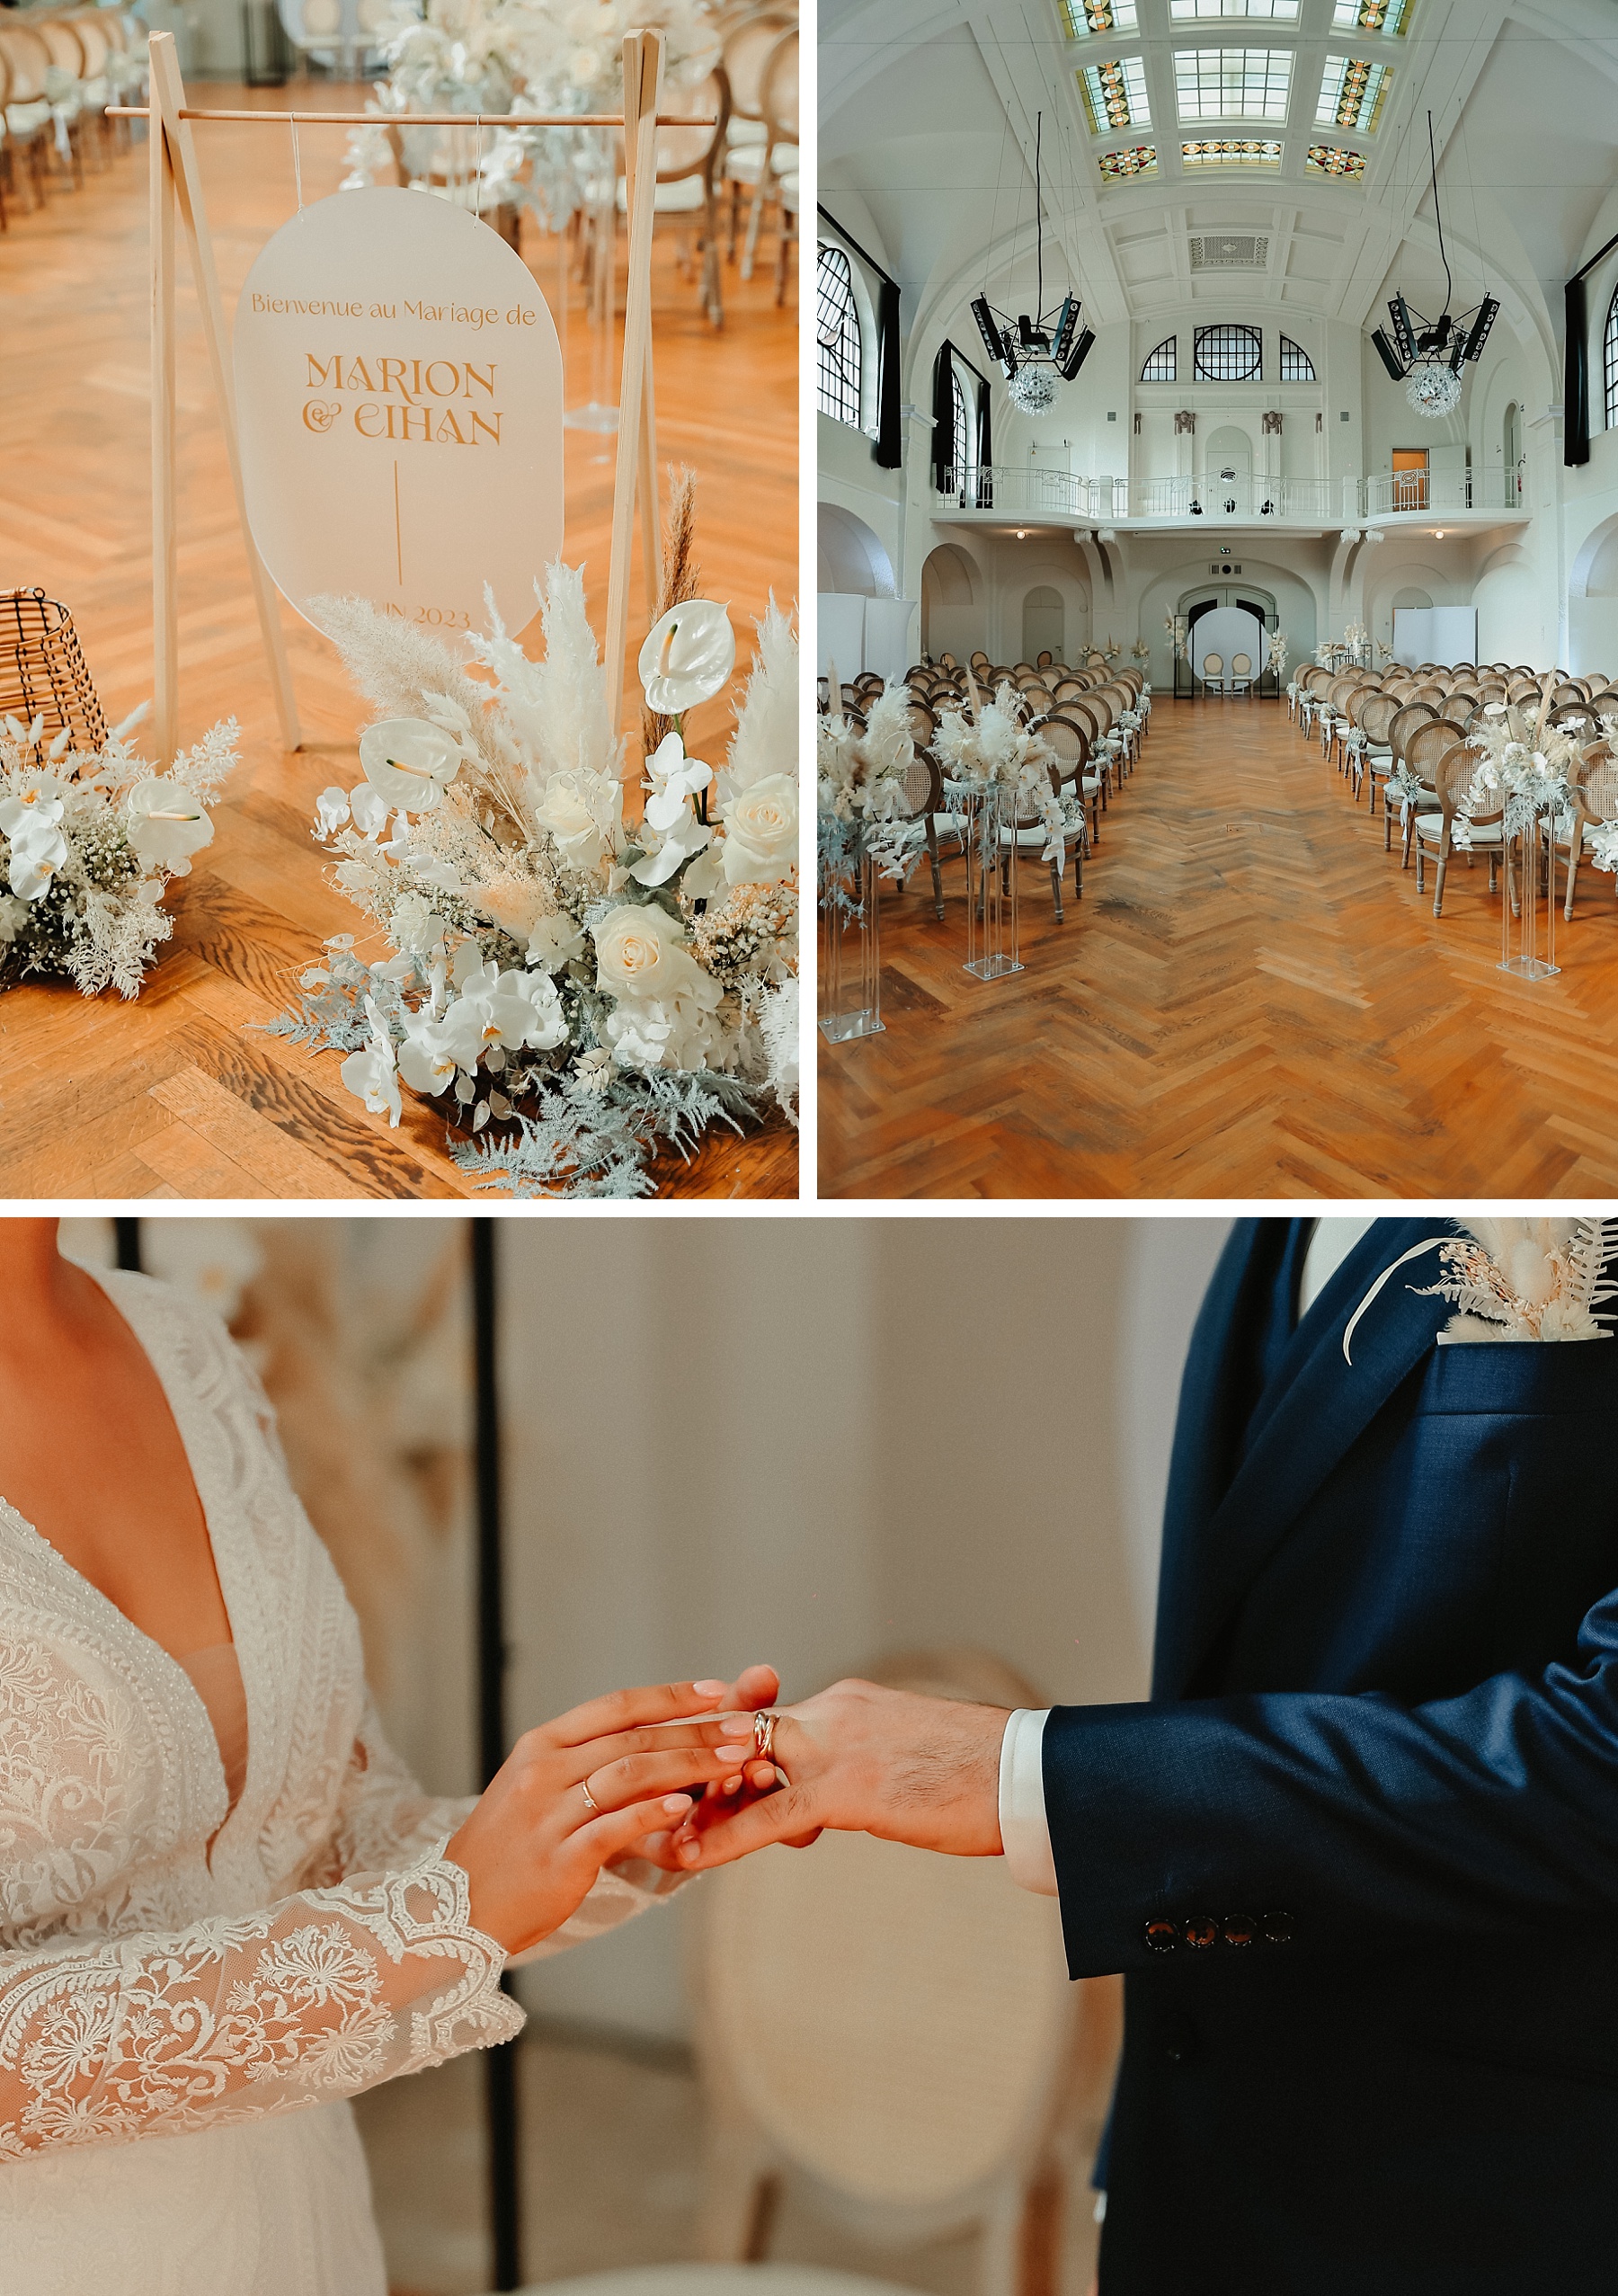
<point x="593" y="1806"/>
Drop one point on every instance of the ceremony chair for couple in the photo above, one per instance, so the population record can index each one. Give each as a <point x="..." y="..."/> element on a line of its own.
<point x="893" y="2035"/>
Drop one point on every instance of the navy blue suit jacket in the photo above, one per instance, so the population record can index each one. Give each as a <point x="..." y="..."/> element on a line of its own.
<point x="1358" y="1856"/>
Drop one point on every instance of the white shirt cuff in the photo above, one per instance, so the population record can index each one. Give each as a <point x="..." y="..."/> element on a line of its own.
<point x="1025" y="1834"/>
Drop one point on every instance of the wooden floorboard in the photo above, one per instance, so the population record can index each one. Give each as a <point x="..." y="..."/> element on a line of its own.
<point x="1251" y="1000"/>
<point x="181" y="1094"/>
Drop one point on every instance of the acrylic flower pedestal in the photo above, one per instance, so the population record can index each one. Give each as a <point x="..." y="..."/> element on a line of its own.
<point x="1527" y="947"/>
<point x="991" y="949"/>
<point x="850" y="953"/>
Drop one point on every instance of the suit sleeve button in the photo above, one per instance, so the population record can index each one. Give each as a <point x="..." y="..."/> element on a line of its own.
<point x="1237" y="1929"/>
<point x="1276" y="1928"/>
<point x="1161" y="1936"/>
<point x="1201" y="1930"/>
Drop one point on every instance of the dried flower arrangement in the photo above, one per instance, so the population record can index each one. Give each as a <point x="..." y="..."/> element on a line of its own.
<point x="1516" y="1279"/>
<point x="89" y="840"/>
<point x="589" y="987"/>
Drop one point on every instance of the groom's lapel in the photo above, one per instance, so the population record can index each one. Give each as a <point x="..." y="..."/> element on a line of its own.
<point x="1322" y="1406"/>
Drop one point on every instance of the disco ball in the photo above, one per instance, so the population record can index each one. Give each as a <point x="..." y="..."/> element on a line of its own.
<point x="1033" y="388"/>
<point x="1433" y="388"/>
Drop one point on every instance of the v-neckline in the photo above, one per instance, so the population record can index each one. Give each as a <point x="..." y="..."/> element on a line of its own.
<point x="186" y="1689"/>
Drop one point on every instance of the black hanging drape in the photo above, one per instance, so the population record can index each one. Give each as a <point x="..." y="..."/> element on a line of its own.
<point x="1576" y="376"/>
<point x="889" y="451"/>
<point x="943" y="445"/>
<point x="985" y="451"/>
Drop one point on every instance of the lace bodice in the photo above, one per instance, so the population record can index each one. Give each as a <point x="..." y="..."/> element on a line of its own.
<point x="171" y="1962"/>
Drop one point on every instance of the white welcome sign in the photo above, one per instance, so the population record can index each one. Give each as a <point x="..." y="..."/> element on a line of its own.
<point x="399" y="395"/>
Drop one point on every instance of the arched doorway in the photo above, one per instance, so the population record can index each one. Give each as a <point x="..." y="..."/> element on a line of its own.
<point x="1043" y="624"/>
<point x="1208" y="597"/>
<point x="954" y="612"/>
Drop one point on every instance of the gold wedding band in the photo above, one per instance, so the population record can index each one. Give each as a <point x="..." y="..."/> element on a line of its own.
<point x="764" y="1733"/>
<point x="590" y="1803"/>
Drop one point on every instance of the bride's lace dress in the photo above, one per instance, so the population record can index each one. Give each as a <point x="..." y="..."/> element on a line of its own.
<point x="188" y="1987"/>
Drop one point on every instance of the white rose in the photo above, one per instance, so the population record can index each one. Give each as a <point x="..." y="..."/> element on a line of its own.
<point x="583" y="819"/>
<point x="761" y="832"/>
<point x="642" y="953"/>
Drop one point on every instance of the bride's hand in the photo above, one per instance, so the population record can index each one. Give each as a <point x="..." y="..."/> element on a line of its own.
<point x="532" y="1848"/>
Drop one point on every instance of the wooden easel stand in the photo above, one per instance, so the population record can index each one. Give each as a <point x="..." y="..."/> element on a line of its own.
<point x="177" y="191"/>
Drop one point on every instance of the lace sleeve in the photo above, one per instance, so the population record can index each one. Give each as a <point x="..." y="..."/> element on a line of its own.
<point x="322" y="1995"/>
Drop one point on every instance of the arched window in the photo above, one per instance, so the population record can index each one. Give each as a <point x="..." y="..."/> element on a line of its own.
<point x="1226" y="354"/>
<point x="1296" y="365"/>
<point x="837" y="326"/>
<point x="1159" y="367"/>
<point x="1610" y="354"/>
<point x="961" y="430"/>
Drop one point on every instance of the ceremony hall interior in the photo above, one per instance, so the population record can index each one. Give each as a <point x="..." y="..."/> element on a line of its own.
<point x="186" y="1088"/>
<point x="1218" y="469"/>
<point x="799" y="2060"/>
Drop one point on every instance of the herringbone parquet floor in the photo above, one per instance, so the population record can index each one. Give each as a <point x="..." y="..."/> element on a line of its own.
<point x="1250" y="1000"/>
<point x="181" y="1094"/>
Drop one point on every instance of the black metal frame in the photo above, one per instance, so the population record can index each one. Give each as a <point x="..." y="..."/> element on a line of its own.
<point x="500" y="2065"/>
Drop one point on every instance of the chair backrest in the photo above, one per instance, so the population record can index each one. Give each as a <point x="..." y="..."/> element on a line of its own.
<point x="898" y="2024"/>
<point x="1404" y="722"/>
<point x="1373" y="714"/>
<point x="1596" y="787"/>
<point x="1426" y="744"/>
<point x="28" y="60"/>
<point x="694" y="151"/>
<point x="1212" y="665"/>
<point x="744" y="54"/>
<point x="93" y="42"/>
<point x="1450" y="772"/>
<point x="778" y="89"/>
<point x="1575" y="717"/>
<point x="1241" y="663"/>
<point x="1069" y="742"/>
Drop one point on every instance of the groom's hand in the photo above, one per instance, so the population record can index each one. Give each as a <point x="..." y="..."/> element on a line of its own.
<point x="863" y="1759"/>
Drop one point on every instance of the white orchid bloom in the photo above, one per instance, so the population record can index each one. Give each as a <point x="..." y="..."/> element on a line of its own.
<point x="167" y="825"/>
<point x="409" y="761"/>
<point x="331" y="810"/>
<point x="371" y="1074"/>
<point x="688" y="656"/>
<point x="688" y="836"/>
<point x="674" y="778"/>
<point x="426" y="1062"/>
<point x="42" y="799"/>
<point x="38" y="851"/>
<point x="529" y="999"/>
<point x="554" y="942"/>
<point x="368" y="809"/>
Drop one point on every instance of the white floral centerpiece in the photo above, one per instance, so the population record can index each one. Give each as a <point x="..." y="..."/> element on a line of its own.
<point x="591" y="988"/>
<point x="498" y="60"/>
<point x="89" y="843"/>
<point x="1276" y="652"/>
<point x="864" y="806"/>
<point x="1515" y="1279"/>
<point x="991" y="753"/>
<point x="1525" y="767"/>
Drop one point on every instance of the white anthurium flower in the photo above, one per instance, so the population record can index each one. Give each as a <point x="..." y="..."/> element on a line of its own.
<point x="761" y="832"/>
<point x="167" y="825"/>
<point x="688" y="836"/>
<point x="331" y="810"/>
<point x="369" y="808"/>
<point x="410" y="761"/>
<point x="688" y="656"/>
<point x="674" y="778"/>
<point x="371" y="1074"/>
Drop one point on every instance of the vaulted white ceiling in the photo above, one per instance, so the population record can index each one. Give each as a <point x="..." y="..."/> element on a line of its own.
<point x="928" y="122"/>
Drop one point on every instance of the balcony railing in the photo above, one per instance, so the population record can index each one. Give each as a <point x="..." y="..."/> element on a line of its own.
<point x="1014" y="490"/>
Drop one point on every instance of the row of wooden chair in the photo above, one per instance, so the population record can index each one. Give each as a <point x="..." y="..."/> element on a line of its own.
<point x="59" y="69"/>
<point x="1416" y="725"/>
<point x="1092" y="723"/>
